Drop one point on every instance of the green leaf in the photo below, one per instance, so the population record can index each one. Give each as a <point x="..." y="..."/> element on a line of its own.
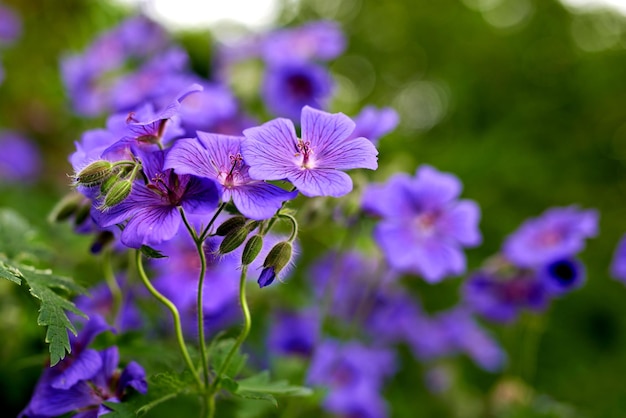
<point x="10" y="273"/>
<point x="150" y="252"/>
<point x="218" y="352"/>
<point x="260" y="387"/>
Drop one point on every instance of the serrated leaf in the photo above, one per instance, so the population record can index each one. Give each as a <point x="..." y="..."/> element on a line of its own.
<point x="218" y="352"/>
<point x="150" y="252"/>
<point x="10" y="273"/>
<point x="53" y="307"/>
<point x="259" y="396"/>
<point x="261" y="383"/>
<point x="229" y="384"/>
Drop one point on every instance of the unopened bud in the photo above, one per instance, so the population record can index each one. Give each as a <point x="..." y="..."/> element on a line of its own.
<point x="230" y="224"/>
<point x="66" y="207"/>
<point x="252" y="249"/>
<point x="278" y="256"/>
<point x="118" y="192"/>
<point x="95" y="173"/>
<point x="252" y="225"/>
<point x="82" y="214"/>
<point x="233" y="240"/>
<point x="108" y="183"/>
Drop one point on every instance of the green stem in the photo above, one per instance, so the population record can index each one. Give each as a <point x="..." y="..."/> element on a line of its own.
<point x="204" y="233"/>
<point x="294" y="225"/>
<point x="114" y="288"/>
<point x="175" y="316"/>
<point x="247" y="324"/>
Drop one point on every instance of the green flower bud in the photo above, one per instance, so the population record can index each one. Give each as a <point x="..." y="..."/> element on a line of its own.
<point x="82" y="214"/>
<point x="252" y="225"/>
<point x="95" y="173"/>
<point x="279" y="256"/>
<point x="233" y="240"/>
<point x="118" y="192"/>
<point x="230" y="224"/>
<point x="252" y="249"/>
<point x="108" y="183"/>
<point x="66" y="207"/>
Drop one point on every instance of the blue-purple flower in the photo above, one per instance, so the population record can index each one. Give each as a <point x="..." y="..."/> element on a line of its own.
<point x="618" y="264"/>
<point x="20" y="160"/>
<point x="218" y="157"/>
<point x="424" y="225"/>
<point x="288" y="88"/>
<point x="562" y="275"/>
<point x="10" y="25"/>
<point x="294" y="333"/>
<point x="557" y="233"/>
<point x="313" y="163"/>
<point x="373" y="123"/>
<point x="152" y="208"/>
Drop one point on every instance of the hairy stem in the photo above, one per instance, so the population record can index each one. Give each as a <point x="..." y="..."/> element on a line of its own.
<point x="114" y="288"/>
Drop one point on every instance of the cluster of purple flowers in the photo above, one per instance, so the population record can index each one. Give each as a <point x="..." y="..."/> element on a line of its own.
<point x="20" y="160"/>
<point x="537" y="262"/>
<point x="359" y="293"/>
<point x="84" y="380"/>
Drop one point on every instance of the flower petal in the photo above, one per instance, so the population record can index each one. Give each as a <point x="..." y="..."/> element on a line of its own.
<point x="461" y="223"/>
<point x="150" y="226"/>
<point x="259" y="200"/>
<point x="321" y="182"/>
<point x="188" y="156"/>
<point x="270" y="149"/>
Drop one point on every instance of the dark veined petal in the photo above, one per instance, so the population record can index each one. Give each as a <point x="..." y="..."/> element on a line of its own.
<point x="50" y="402"/>
<point x="152" y="225"/>
<point x="188" y="156"/>
<point x="82" y="367"/>
<point x="321" y="182"/>
<point x="270" y="149"/>
<point x="201" y="196"/>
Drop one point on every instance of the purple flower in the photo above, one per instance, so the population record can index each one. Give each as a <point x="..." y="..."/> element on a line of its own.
<point x="618" y="265"/>
<point x="152" y="209"/>
<point x="557" y="233"/>
<point x="354" y="374"/>
<point x="289" y="87"/>
<point x="294" y="333"/>
<point x="104" y="383"/>
<point x="218" y="157"/>
<point x="20" y="160"/>
<point x="206" y="110"/>
<point x="562" y="275"/>
<point x="374" y="123"/>
<point x="500" y="298"/>
<point x="424" y="225"/>
<point x="10" y="25"/>
<point x="312" y="163"/>
<point x="322" y="40"/>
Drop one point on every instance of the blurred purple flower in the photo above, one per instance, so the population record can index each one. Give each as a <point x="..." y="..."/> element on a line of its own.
<point x="501" y="299"/>
<point x="373" y="123"/>
<point x="312" y="163"/>
<point x="10" y="25"/>
<point x="20" y="160"/>
<point x="618" y="265"/>
<point x="354" y="374"/>
<point x="320" y="40"/>
<point x="562" y="276"/>
<point x="557" y="233"/>
<point x="288" y="88"/>
<point x="294" y="333"/>
<point x="206" y="110"/>
<point x="218" y="157"/>
<point x="424" y="225"/>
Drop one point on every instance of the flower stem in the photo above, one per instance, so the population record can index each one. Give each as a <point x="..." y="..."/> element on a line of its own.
<point x="175" y="316"/>
<point x="204" y="233"/>
<point x="114" y="288"/>
<point x="247" y="324"/>
<point x="294" y="225"/>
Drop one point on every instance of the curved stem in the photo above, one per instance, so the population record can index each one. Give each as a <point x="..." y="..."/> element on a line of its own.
<point x="294" y="225"/>
<point x="114" y="288"/>
<point x="175" y="316"/>
<point x="247" y="324"/>
<point x="200" y="304"/>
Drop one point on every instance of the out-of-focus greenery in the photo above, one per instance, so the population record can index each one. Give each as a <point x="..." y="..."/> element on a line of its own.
<point x="525" y="102"/>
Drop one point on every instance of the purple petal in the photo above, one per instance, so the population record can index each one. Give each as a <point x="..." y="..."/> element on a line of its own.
<point x="50" y="402"/>
<point x="321" y="182"/>
<point x="259" y="200"/>
<point x="618" y="265"/>
<point x="133" y="376"/>
<point x="152" y="225"/>
<point x="187" y="156"/>
<point x="201" y="196"/>
<point x="461" y="223"/>
<point x="328" y="135"/>
<point x="267" y="277"/>
<point x="392" y="199"/>
<point x="433" y="189"/>
<point x="270" y="149"/>
<point x="82" y="367"/>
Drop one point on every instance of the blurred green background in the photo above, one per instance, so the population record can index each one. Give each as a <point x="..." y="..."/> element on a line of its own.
<point x="524" y="100"/>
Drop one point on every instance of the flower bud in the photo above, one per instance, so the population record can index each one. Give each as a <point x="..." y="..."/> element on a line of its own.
<point x="108" y="183"/>
<point x="95" y="173"/>
<point x="66" y="207"/>
<point x="230" y="224"/>
<point x="82" y="213"/>
<point x="233" y="240"/>
<point x="252" y="249"/>
<point x="278" y="257"/>
<point x="118" y="192"/>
